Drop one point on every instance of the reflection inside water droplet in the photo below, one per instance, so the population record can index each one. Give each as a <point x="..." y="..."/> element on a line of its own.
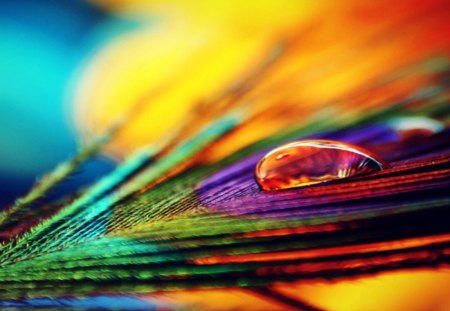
<point x="308" y="162"/>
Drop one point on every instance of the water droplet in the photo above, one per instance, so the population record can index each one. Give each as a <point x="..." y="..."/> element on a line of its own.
<point x="308" y="162"/>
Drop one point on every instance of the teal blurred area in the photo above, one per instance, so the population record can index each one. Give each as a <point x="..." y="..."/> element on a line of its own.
<point x="42" y="45"/>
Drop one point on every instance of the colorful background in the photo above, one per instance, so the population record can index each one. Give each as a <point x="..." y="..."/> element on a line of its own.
<point x="72" y="71"/>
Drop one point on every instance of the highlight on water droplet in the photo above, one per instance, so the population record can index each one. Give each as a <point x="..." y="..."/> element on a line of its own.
<point x="308" y="162"/>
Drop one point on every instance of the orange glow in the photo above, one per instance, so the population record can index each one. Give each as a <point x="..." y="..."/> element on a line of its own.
<point x="220" y="300"/>
<point x="419" y="289"/>
<point x="199" y="49"/>
<point x="323" y="252"/>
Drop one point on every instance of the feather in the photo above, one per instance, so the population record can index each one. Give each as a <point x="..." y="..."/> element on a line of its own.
<point x="184" y="212"/>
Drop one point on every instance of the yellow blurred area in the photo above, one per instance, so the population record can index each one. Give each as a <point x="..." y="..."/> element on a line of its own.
<point x="194" y="52"/>
<point x="219" y="300"/>
<point x="402" y="290"/>
<point x="419" y="289"/>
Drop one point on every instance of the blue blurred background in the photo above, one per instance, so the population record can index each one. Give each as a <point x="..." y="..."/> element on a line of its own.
<point x="43" y="43"/>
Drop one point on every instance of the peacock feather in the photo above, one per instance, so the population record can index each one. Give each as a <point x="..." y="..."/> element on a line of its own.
<point x="181" y="222"/>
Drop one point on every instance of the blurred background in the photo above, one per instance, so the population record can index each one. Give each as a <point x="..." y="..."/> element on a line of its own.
<point x="70" y="69"/>
<point x="43" y="44"/>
